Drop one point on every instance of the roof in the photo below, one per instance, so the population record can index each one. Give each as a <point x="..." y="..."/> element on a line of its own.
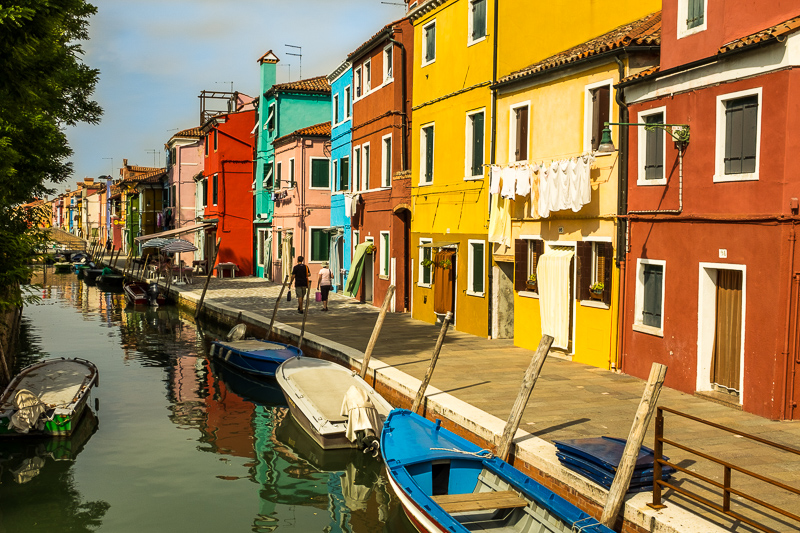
<point x="141" y="169"/>
<point x="268" y="57"/>
<point x="317" y="130"/>
<point x="190" y="132"/>
<point x="374" y="39"/>
<point x="643" y="32"/>
<point x="768" y="35"/>
<point x="311" y="85"/>
<point x="149" y="177"/>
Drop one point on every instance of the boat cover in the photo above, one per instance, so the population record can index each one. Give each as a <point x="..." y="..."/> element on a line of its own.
<point x="361" y="413"/>
<point x="28" y="409"/>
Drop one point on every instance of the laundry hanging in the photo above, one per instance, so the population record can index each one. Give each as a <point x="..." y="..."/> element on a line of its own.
<point x="500" y="220"/>
<point x="495" y="179"/>
<point x="509" y="188"/>
<point x="523" y="178"/>
<point x="553" y="277"/>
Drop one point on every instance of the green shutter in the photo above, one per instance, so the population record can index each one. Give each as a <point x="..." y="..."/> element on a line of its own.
<point x="651" y="308"/>
<point x="478" y="19"/>
<point x="344" y="174"/>
<point x="280" y="244"/>
<point x="320" y="245"/>
<point x="654" y="149"/>
<point x="430" y="43"/>
<point x="214" y="190"/>
<point x="477" y="267"/>
<point x="319" y="173"/>
<point x="428" y="153"/>
<point x="741" y="127"/>
<point x="477" y="144"/>
<point x="426" y="270"/>
<point x="386" y="254"/>
<point x="696" y="14"/>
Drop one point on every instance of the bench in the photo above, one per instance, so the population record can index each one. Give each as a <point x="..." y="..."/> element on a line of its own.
<point x="480" y="501"/>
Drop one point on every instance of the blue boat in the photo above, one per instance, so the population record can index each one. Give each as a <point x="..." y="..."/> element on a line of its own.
<point x="447" y="484"/>
<point x="254" y="356"/>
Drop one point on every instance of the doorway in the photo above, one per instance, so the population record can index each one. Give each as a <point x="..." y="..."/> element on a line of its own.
<point x="369" y="273"/>
<point x="444" y="282"/>
<point x="503" y="301"/>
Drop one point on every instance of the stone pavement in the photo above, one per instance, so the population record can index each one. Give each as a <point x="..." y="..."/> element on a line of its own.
<point x="570" y="400"/>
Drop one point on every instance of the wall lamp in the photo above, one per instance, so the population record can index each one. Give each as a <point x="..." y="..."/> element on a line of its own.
<point x="678" y="132"/>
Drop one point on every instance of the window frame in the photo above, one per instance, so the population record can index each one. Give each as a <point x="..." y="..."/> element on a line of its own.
<point x="311" y="230"/>
<point x="642" y="148"/>
<point x="512" y="132"/>
<point x="342" y="172"/>
<point x="366" y="152"/>
<point x="423" y="48"/>
<point x="388" y="63"/>
<point x="355" y="180"/>
<point x="469" y="145"/>
<point x="311" y="160"/>
<point x="421" y="269"/>
<point x="683" y="29"/>
<point x="423" y="161"/>
<point x="270" y="124"/>
<point x="367" y="66"/>
<point x="588" y="114"/>
<point x="638" y="317"/>
<point x="215" y="189"/>
<point x="358" y="83"/>
<point x="386" y="254"/>
<point x="348" y="102"/>
<point x="269" y="175"/>
<point x="204" y="190"/>
<point x="333" y="180"/>
<point x="471" y="22"/>
<point x="386" y="161"/>
<point x="216" y="139"/>
<point x="335" y="102"/>
<point x="276" y="179"/>
<point x="292" y="181"/>
<point x="354" y="238"/>
<point x="471" y="268"/>
<point x="719" y="152"/>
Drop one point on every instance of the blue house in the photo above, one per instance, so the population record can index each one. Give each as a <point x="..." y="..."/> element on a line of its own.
<point x="282" y="109"/>
<point x="341" y="81"/>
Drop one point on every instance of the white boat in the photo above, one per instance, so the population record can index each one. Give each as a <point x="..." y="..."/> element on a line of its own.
<point x="332" y="403"/>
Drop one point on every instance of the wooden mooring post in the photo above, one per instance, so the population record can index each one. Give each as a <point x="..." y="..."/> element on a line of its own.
<point x="277" y="304"/>
<point x="434" y="358"/>
<point x="208" y="279"/>
<point x="376" y="330"/>
<point x="528" y="382"/>
<point x="622" y="479"/>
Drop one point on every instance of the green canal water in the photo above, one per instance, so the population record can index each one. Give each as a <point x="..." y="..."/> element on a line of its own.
<point x="179" y="444"/>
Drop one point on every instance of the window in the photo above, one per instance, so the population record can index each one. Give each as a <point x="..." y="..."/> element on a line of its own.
<point x="347" y="102"/>
<point x="174" y="196"/>
<point x="738" y="136"/>
<point x="691" y="17"/>
<point x="205" y="192"/>
<point x="597" y="112"/>
<point x="476" y="267"/>
<point x="214" y="190"/>
<point x="365" y="171"/>
<point x="278" y="174"/>
<point x="385" y="254"/>
<point x="356" y="236"/>
<point x="649" y="305"/>
<point x="344" y="174"/>
<point x="595" y="266"/>
<point x="386" y="158"/>
<point x="367" y="76"/>
<point x="426" y="157"/>
<point x="335" y="109"/>
<point x="425" y="258"/>
<point x="477" y="20"/>
<point x="388" y="63"/>
<point x="357" y="78"/>
<point x="429" y="43"/>
<point x="291" y="173"/>
<point x="268" y="175"/>
<point x="357" y="167"/>
<point x="335" y="172"/>
<point x="320" y="245"/>
<point x="475" y="136"/>
<point x="205" y="145"/>
<point x="519" y="125"/>
<point x="215" y="139"/>
<point x="271" y="117"/>
<point x="652" y="146"/>
<point x="526" y="257"/>
<point x="279" y="241"/>
<point x="320" y="178"/>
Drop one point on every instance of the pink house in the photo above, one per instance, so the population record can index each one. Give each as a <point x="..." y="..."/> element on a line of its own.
<point x="301" y="223"/>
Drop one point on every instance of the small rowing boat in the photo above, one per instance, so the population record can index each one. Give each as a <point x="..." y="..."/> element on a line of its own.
<point x="447" y="484"/>
<point x="47" y="398"/>
<point x="140" y="293"/>
<point x="254" y="356"/>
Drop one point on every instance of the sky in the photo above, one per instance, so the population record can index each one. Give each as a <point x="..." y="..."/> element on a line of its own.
<point x="155" y="57"/>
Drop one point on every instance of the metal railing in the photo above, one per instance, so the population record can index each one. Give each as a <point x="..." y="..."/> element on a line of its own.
<point x="727" y="468"/>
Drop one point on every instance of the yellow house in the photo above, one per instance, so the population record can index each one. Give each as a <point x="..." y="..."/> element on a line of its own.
<point x="554" y="224"/>
<point x="451" y="103"/>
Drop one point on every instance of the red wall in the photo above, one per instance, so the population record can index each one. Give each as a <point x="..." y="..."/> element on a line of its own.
<point x="232" y="161"/>
<point x="726" y="20"/>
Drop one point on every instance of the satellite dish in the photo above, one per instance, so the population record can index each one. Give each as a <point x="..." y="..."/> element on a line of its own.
<point x="237" y="332"/>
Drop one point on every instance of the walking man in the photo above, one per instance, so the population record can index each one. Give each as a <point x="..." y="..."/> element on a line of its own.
<point x="301" y="278"/>
<point x="325" y="284"/>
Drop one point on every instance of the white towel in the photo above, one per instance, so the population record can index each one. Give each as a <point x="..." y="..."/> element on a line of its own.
<point x="575" y="202"/>
<point x="586" y="181"/>
<point x="544" y="192"/>
<point x="509" y="183"/>
<point x="348" y="205"/>
<point x="523" y="180"/>
<point x="495" y="179"/>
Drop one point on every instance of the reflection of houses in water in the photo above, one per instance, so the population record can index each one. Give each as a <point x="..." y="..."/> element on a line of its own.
<point x="186" y="395"/>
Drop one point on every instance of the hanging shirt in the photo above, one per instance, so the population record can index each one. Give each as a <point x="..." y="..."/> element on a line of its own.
<point x="586" y="180"/>
<point x="575" y="202"/>
<point x="563" y="185"/>
<point x="348" y="205"/>
<point x="535" y="173"/>
<point x="495" y="179"/>
<point x="523" y="177"/>
<point x="552" y="187"/>
<point x="544" y="192"/>
<point x="509" y="183"/>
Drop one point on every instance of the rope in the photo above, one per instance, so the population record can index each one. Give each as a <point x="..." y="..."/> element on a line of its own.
<point x="580" y="529"/>
<point x="482" y="453"/>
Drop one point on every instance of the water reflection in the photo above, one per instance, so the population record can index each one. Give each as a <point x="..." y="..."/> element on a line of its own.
<point x="184" y="444"/>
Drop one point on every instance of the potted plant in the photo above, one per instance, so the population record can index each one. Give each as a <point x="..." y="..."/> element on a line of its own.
<point x="427" y="262"/>
<point x="446" y="263"/>
<point x="596" y="290"/>
<point x="530" y="284"/>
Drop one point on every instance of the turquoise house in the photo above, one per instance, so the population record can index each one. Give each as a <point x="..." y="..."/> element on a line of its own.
<point x="282" y="109"/>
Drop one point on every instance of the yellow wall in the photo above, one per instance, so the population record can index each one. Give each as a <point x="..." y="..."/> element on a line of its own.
<point x="531" y="31"/>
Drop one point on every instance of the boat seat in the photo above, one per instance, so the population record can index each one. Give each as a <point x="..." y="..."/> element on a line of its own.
<point x="480" y="501"/>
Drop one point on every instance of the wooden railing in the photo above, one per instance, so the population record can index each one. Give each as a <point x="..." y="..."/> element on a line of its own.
<point x="727" y="469"/>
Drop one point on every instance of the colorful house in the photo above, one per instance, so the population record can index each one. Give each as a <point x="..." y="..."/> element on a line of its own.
<point x="710" y="282"/>
<point x="452" y="71"/>
<point x="341" y="81"/>
<point x="228" y="172"/>
<point x="282" y="109"/>
<point x="301" y="219"/>
<point x="553" y="220"/>
<point x="184" y="160"/>
<point x="130" y="215"/>
<point x="380" y="201"/>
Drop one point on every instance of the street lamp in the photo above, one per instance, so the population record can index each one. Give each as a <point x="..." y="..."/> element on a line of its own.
<point x="678" y="132"/>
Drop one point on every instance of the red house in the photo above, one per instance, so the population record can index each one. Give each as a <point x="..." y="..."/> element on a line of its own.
<point x="712" y="276"/>
<point x="228" y="185"/>
<point x="381" y="184"/>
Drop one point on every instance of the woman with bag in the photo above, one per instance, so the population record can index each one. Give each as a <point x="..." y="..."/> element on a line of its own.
<point x="325" y="284"/>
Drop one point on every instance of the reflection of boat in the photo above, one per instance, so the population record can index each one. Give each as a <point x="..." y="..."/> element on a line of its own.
<point x="266" y="393"/>
<point x="62" y="268"/>
<point x="316" y="389"/>
<point x="92" y="274"/>
<point x="305" y="447"/>
<point x="138" y="293"/>
<point x="254" y="356"/>
<point x="47" y="398"/>
<point x="446" y="483"/>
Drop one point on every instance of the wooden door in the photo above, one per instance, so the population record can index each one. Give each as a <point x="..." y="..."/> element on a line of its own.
<point x="444" y="281"/>
<point x="725" y="365"/>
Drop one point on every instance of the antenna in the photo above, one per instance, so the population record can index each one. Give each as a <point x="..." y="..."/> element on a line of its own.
<point x="289" y="66"/>
<point x="299" y="54"/>
<point x="154" y="152"/>
<point x="394" y="4"/>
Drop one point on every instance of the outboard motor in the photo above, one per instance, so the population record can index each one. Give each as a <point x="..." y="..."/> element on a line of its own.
<point x="363" y="422"/>
<point x="152" y="292"/>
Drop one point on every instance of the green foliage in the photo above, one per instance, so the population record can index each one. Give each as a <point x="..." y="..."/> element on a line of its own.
<point x="44" y="87"/>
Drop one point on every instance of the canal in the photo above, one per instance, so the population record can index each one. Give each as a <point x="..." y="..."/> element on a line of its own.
<point x="179" y="443"/>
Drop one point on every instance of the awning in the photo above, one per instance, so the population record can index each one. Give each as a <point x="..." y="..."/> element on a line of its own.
<point x="440" y="244"/>
<point x="177" y="231"/>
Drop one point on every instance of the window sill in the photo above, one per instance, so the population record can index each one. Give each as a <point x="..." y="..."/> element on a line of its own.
<point x="476" y="41"/>
<point x="319" y="188"/>
<point x="602" y="154"/>
<point x="424" y="285"/>
<point x="649" y="330"/>
<point x="383" y="277"/>
<point x="473" y="178"/>
<point x="642" y="182"/>
<point x="428" y="184"/>
<point x="431" y="62"/>
<point x="476" y="294"/>
<point x="686" y="32"/>
<point x="529" y="294"/>
<point x="723" y="178"/>
<point x="595" y="304"/>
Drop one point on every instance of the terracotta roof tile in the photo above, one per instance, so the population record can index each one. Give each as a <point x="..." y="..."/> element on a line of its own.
<point x="317" y="130"/>
<point x="313" y="85"/>
<point x="148" y="177"/>
<point x="772" y="32"/>
<point x="366" y="44"/>
<point x="141" y="169"/>
<point x="195" y="133"/>
<point x="642" y="32"/>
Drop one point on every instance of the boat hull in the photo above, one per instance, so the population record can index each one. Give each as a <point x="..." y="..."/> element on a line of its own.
<point x="330" y="441"/>
<point x="260" y="358"/>
<point x="136" y="294"/>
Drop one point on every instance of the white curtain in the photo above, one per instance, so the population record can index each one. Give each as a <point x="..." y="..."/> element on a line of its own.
<point x="553" y="276"/>
<point x="268" y="256"/>
<point x="335" y="267"/>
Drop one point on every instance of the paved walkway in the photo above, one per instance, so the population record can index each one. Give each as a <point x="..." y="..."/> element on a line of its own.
<point x="570" y="400"/>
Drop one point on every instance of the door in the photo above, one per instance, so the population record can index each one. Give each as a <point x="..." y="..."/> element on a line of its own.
<point x="369" y="276"/>
<point x="444" y="282"/>
<point x="339" y="251"/>
<point x="726" y="354"/>
<point x="503" y="301"/>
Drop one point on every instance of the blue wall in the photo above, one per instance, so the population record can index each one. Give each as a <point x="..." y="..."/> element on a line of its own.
<point x="341" y="135"/>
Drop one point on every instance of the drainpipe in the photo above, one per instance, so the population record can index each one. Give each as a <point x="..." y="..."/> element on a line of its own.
<point x="404" y="108"/>
<point x="622" y="209"/>
<point x="788" y="385"/>
<point x="492" y="151"/>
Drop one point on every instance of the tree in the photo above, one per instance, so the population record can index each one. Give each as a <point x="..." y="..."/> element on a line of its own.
<point x="44" y="87"/>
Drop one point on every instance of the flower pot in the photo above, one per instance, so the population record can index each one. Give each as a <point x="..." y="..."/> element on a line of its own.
<point x="596" y="295"/>
<point x="531" y="286"/>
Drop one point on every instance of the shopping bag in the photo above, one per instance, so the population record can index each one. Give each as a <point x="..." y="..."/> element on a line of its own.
<point x="318" y="297"/>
